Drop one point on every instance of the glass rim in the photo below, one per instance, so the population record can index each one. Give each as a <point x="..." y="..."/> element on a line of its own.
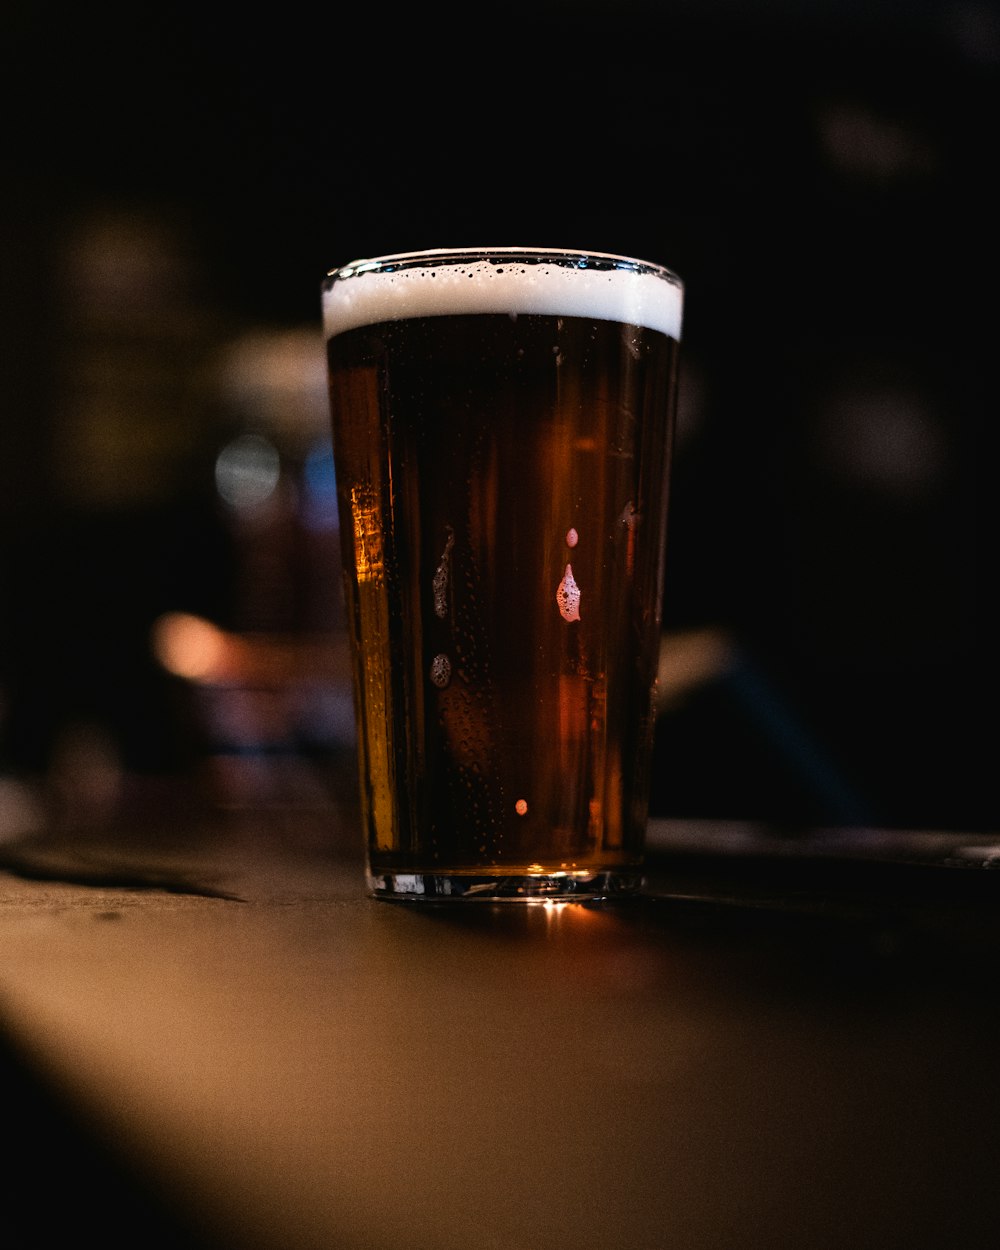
<point x="570" y="258"/>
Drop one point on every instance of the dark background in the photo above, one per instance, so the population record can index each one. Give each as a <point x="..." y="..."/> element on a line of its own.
<point x="821" y="177"/>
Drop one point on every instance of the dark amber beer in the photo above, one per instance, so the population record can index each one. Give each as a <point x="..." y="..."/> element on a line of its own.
<point x="502" y="425"/>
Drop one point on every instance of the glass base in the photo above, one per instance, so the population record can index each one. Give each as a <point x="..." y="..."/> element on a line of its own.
<point x="423" y="887"/>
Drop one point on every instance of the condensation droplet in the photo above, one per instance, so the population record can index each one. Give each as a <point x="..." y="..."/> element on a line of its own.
<point x="572" y="538"/>
<point x="568" y="596"/>
<point x="441" y="670"/>
<point x="521" y="807"/>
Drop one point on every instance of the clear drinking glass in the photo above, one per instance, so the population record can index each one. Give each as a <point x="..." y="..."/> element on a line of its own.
<point x="502" y="426"/>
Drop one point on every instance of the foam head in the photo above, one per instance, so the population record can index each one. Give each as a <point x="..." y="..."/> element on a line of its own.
<point x="509" y="280"/>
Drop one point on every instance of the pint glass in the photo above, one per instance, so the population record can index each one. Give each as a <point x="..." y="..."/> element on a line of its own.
<point x="502" y="425"/>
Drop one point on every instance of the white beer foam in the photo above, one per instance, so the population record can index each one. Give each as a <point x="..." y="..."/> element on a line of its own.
<point x="636" y="293"/>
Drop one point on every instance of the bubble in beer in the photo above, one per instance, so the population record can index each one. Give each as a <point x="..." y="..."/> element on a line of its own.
<point x="568" y="596"/>
<point x="629" y="517"/>
<point x="441" y="671"/>
<point x="572" y="537"/>
<point x="521" y="807"/>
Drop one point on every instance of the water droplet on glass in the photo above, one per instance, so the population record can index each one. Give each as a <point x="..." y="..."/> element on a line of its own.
<point x="439" y="582"/>
<point x="441" y="671"/>
<point x="629" y="517"/>
<point x="568" y="596"/>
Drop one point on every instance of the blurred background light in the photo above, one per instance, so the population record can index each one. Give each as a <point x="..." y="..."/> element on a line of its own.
<point x="320" y="493"/>
<point x="247" y="471"/>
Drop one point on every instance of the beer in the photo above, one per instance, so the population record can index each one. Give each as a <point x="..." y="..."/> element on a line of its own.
<point x="502" y="426"/>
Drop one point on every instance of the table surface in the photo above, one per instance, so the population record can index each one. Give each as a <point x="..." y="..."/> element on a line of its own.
<point x="787" y="1041"/>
